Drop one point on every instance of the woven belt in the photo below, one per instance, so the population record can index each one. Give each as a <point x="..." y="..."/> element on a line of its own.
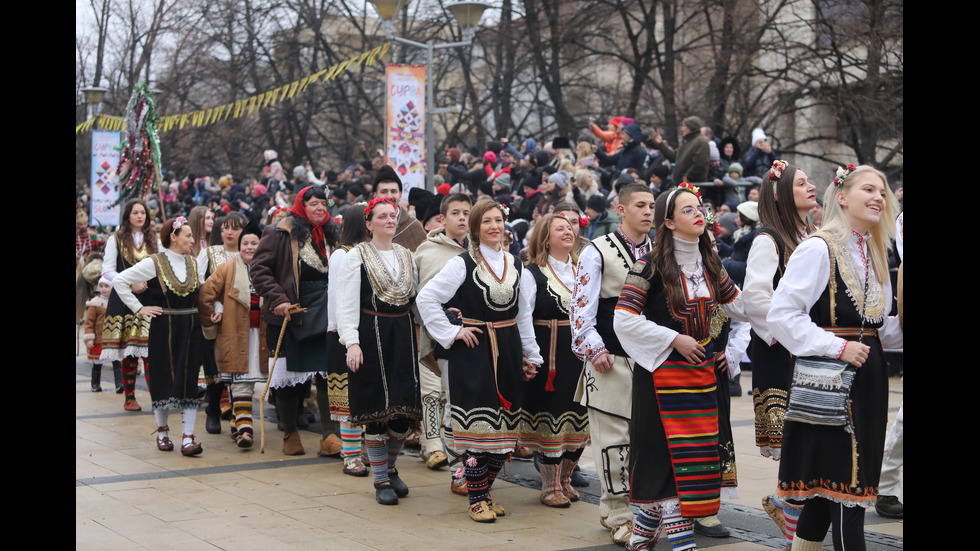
<point x="553" y="325"/>
<point x="852" y="331"/>
<point x="179" y="311"/>
<point x="384" y="314"/>
<point x="492" y="327"/>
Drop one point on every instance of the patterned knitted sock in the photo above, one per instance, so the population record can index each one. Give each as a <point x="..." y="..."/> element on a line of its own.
<point x="351" y="438"/>
<point x="791" y="514"/>
<point x="129" y="377"/>
<point x="495" y="462"/>
<point x="396" y="441"/>
<point x="679" y="530"/>
<point x="646" y="526"/>
<point x="243" y="414"/>
<point x="476" y="476"/>
<point x="377" y="448"/>
<point x="226" y="398"/>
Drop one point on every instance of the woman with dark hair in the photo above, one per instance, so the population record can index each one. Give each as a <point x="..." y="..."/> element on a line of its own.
<point x="224" y="248"/>
<point x="668" y="319"/>
<point x="171" y="301"/>
<point x="352" y="231"/>
<point x="833" y="303"/>
<point x="557" y="425"/>
<point x="291" y="267"/>
<point x="485" y="363"/>
<point x="377" y="290"/>
<point x="125" y="335"/>
<point x="785" y="198"/>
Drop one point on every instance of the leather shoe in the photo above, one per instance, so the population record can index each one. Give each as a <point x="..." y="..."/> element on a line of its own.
<point x="292" y="444"/>
<point x="497" y="509"/>
<point x="163" y="442"/>
<point x="213" y="424"/>
<point x="385" y="494"/>
<point x="397" y="484"/>
<point x="331" y="446"/>
<point x="578" y="479"/>
<point x="555" y="499"/>
<point x="191" y="449"/>
<point x="481" y="512"/>
<point x="458" y="486"/>
<point x="521" y="452"/>
<point x="889" y="507"/>
<point x="355" y="467"/>
<point x="716" y="531"/>
<point x="132" y="405"/>
<point x="434" y="460"/>
<point x="244" y="440"/>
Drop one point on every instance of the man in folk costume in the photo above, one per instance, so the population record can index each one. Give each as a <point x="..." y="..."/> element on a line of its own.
<point x="605" y="386"/>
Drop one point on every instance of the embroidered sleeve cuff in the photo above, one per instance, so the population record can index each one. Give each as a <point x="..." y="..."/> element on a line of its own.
<point x="593" y="354"/>
<point x="840" y="351"/>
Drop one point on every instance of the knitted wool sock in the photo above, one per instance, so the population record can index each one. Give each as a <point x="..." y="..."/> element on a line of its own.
<point x="226" y="398"/>
<point x="327" y="425"/>
<point x="188" y="416"/>
<point x="351" y="438"/>
<point x="646" y="526"/>
<point x="243" y="414"/>
<point x="477" y="483"/>
<point x="129" y="365"/>
<point x="377" y="448"/>
<point x="495" y="462"/>
<point x="679" y="530"/>
<point x="791" y="514"/>
<point x="396" y="441"/>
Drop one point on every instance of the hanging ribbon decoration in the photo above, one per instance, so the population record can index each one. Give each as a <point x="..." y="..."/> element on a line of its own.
<point x="241" y="108"/>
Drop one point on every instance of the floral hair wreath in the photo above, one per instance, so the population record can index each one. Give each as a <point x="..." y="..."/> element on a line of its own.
<point x="692" y="187"/>
<point x="776" y="171"/>
<point x="504" y="209"/>
<point x="583" y="220"/>
<point x="178" y="222"/>
<point x="842" y="174"/>
<point x="373" y="202"/>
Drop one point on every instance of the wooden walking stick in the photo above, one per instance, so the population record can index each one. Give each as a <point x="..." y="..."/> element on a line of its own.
<point x="293" y="309"/>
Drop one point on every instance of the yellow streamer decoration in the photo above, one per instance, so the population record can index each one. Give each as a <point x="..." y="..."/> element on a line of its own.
<point x="240" y="108"/>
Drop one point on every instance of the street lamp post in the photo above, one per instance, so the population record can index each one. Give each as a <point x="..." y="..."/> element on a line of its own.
<point x="467" y="14"/>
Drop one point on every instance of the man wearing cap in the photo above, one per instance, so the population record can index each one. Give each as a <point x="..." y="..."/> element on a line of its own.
<point x="410" y="233"/>
<point x="760" y="156"/>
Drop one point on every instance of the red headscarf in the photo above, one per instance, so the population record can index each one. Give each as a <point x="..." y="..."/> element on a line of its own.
<point x="299" y="209"/>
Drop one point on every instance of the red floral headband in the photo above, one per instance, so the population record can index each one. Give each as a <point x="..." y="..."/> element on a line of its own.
<point x="842" y="174"/>
<point x="373" y="202"/>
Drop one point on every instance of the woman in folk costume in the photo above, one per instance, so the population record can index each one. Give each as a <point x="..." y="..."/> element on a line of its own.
<point x="170" y="299"/>
<point x="833" y="303"/>
<point x="291" y="267"/>
<point x="485" y="358"/>
<point x="352" y="232"/>
<point x="125" y="335"/>
<point x="224" y="249"/>
<point x="230" y="304"/>
<point x="785" y="198"/>
<point x="557" y="426"/>
<point x="376" y="294"/>
<point x="666" y="321"/>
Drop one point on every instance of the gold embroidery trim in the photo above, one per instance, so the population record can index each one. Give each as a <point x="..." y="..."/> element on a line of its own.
<point x="167" y="276"/>
<point x="396" y="291"/>
<point x="309" y="255"/>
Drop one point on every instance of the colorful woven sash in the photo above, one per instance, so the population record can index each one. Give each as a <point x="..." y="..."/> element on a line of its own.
<point x="553" y="326"/>
<point x="492" y="327"/>
<point x="689" y="412"/>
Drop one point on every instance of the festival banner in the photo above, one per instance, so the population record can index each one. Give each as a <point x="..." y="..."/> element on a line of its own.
<point x="247" y="106"/>
<point x="105" y="159"/>
<point x="405" y="124"/>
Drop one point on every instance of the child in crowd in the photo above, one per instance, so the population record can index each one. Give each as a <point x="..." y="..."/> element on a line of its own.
<point x="94" y="318"/>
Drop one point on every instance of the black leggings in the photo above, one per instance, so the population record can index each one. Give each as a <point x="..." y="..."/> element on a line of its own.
<point x="399" y="425"/>
<point x="819" y="514"/>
